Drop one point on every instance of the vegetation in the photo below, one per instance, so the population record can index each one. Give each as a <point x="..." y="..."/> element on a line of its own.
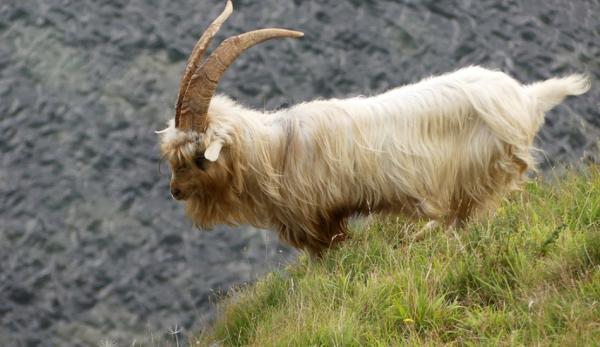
<point x="529" y="275"/>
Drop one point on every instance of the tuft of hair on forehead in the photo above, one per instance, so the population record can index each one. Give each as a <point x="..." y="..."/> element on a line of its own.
<point x="178" y="145"/>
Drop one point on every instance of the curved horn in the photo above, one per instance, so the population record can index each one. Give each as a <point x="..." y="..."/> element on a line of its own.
<point x="203" y="83"/>
<point x="196" y="56"/>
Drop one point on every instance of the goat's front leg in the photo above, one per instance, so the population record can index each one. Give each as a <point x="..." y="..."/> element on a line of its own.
<point x="331" y="232"/>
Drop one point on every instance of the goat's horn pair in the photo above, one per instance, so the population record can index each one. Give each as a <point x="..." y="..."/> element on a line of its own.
<point x="198" y="84"/>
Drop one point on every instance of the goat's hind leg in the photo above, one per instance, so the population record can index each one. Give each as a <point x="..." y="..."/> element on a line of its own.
<point x="464" y="211"/>
<point x="426" y="230"/>
<point x="458" y="220"/>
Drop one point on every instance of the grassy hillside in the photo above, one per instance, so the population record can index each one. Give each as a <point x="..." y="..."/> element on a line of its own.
<point x="530" y="275"/>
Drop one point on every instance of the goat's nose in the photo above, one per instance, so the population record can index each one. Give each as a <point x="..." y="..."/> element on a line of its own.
<point x="176" y="192"/>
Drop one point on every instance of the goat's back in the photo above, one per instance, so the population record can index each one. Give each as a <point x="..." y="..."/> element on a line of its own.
<point x="463" y="135"/>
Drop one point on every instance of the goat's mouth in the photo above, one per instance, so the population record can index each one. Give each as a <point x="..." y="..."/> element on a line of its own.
<point x="179" y="195"/>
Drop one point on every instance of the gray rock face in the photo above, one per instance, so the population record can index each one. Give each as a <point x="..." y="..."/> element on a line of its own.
<point x="91" y="245"/>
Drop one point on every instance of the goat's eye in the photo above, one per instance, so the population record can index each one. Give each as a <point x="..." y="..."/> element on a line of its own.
<point x="200" y="161"/>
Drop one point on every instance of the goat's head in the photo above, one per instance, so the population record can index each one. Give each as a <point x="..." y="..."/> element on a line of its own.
<point x="197" y="145"/>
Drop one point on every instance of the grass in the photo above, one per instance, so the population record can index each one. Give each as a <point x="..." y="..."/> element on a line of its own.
<point x="529" y="275"/>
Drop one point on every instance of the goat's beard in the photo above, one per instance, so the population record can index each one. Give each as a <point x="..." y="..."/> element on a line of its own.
<point x="202" y="212"/>
<point x="207" y="210"/>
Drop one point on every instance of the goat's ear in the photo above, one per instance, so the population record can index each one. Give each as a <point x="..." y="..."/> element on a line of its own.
<point x="213" y="151"/>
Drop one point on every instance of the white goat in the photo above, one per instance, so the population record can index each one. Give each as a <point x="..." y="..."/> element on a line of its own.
<point x="443" y="148"/>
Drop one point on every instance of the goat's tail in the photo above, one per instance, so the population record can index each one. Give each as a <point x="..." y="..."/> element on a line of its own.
<point x="552" y="92"/>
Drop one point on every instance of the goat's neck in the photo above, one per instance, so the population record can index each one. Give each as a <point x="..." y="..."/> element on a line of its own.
<point x="257" y="141"/>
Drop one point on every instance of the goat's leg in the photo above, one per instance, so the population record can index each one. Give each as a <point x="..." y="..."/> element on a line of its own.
<point x="460" y="218"/>
<point x="463" y="213"/>
<point x="338" y="231"/>
<point x="426" y="230"/>
<point x="328" y="234"/>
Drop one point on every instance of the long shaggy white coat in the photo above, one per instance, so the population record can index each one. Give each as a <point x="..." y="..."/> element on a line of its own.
<point x="444" y="149"/>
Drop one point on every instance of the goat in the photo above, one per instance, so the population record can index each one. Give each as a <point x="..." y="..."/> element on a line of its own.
<point x="445" y="148"/>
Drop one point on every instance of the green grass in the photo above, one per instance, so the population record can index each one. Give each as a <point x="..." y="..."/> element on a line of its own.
<point x="529" y="275"/>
